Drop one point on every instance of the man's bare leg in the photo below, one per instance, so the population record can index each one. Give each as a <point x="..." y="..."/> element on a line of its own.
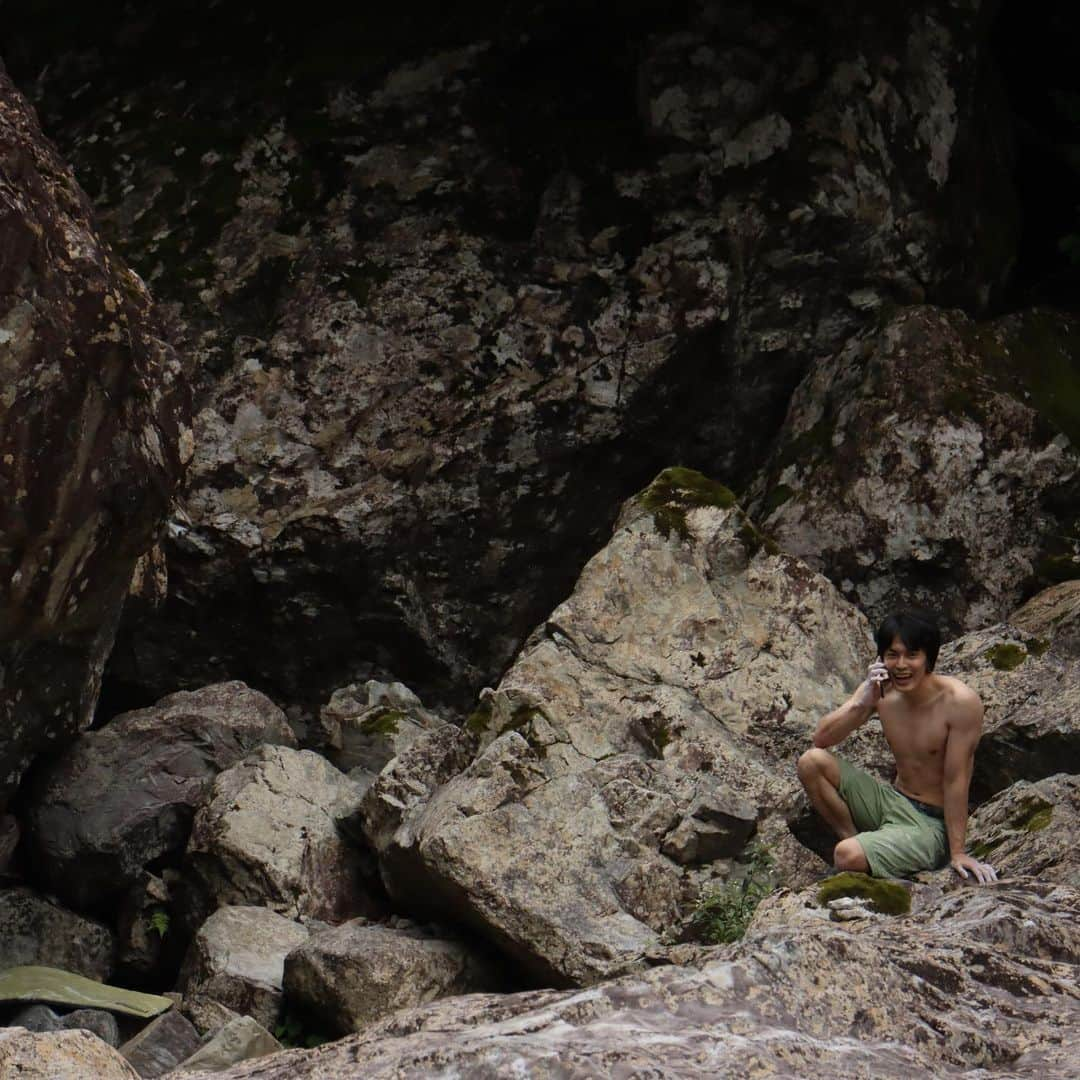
<point x="820" y="776"/>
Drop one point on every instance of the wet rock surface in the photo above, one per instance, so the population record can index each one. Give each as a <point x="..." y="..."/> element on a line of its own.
<point x="123" y="797"/>
<point x="93" y="440"/>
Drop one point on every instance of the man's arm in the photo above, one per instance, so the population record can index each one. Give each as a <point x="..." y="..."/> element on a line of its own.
<point x="965" y="726"/>
<point x="858" y="708"/>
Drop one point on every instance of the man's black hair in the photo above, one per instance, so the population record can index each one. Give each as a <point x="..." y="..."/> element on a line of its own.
<point x="916" y="629"/>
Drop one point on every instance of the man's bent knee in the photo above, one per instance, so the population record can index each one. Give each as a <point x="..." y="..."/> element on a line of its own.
<point x="849" y="855"/>
<point x="817" y="762"/>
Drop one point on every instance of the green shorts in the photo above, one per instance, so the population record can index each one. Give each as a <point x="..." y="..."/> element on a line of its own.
<point x="897" y="839"/>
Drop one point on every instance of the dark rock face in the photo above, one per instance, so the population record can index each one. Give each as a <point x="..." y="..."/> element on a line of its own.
<point x="124" y="796"/>
<point x="443" y="322"/>
<point x="35" y="931"/>
<point x="932" y="463"/>
<point x="92" y="442"/>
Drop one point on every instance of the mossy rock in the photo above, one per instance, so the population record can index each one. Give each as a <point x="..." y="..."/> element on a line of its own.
<point x="479" y="720"/>
<point x="1032" y="814"/>
<point x="886" y="897"/>
<point x="1006" y="657"/>
<point x="382" y="722"/>
<point x="678" y="490"/>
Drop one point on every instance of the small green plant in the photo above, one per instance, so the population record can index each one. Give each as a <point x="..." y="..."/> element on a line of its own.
<point x="292" y="1033"/>
<point x="722" y="915"/>
<point x="159" y="922"/>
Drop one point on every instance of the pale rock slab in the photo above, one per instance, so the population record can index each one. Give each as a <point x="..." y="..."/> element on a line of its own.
<point x="268" y="835"/>
<point x="236" y="960"/>
<point x="358" y="972"/>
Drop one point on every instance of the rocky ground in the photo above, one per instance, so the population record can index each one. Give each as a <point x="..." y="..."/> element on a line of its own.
<point x="551" y="455"/>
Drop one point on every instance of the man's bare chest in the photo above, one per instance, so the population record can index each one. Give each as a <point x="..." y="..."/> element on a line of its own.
<point x="913" y="735"/>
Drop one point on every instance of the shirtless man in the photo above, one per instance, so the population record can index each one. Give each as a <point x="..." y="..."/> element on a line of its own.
<point x="932" y="723"/>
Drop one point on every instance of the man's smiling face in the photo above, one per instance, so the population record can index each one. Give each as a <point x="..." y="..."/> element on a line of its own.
<point x="907" y="667"/>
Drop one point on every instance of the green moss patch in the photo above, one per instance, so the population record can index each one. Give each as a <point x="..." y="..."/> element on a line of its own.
<point x="1006" y="657"/>
<point x="479" y="719"/>
<point x="1032" y="814"/>
<point x="885" y="896"/>
<point x="678" y="490"/>
<point x="382" y="722"/>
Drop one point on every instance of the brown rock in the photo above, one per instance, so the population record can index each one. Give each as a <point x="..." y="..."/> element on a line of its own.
<point x="92" y="439"/>
<point x="161" y="1045"/>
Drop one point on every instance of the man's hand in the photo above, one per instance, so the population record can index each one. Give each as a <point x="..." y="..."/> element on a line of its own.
<point x="984" y="873"/>
<point x="871" y="691"/>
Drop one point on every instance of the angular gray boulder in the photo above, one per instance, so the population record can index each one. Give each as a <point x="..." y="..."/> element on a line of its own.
<point x="934" y="462"/>
<point x="632" y="750"/>
<point x="269" y="835"/>
<point x="353" y="974"/>
<point x="123" y="797"/>
<point x="1030" y="830"/>
<point x="236" y="959"/>
<point x="93" y="439"/>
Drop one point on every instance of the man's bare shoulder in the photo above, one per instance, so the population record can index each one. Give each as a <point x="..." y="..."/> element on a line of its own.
<point x="964" y="704"/>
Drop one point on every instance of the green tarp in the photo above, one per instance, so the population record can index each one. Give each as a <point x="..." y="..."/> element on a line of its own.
<point x="58" y="987"/>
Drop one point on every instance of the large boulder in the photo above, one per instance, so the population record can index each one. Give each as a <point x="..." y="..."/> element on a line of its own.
<point x="269" y="835"/>
<point x="237" y="958"/>
<point x="980" y="983"/>
<point x="1030" y="829"/>
<point x="358" y="972"/>
<point x="1027" y="672"/>
<point x="934" y="462"/>
<point x="123" y="797"/>
<point x="92" y="437"/>
<point x="445" y="314"/>
<point x="36" y="931"/>
<point x="60" y="1055"/>
<point x="632" y="750"/>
